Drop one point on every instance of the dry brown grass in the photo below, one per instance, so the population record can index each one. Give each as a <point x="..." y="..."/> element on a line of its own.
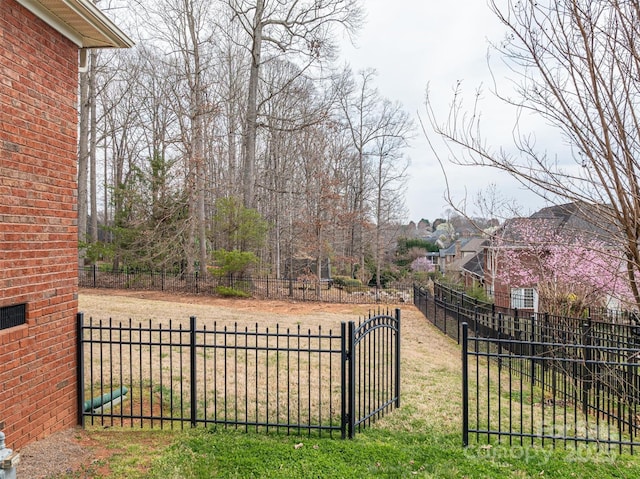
<point x="430" y="375"/>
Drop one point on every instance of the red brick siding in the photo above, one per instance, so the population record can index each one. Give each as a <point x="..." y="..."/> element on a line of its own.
<point x="502" y="289"/>
<point x="38" y="225"/>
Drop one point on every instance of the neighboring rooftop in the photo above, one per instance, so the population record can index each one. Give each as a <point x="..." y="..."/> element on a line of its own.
<point x="578" y="218"/>
<point x="475" y="265"/>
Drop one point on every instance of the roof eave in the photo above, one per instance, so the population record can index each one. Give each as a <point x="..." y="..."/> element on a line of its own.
<point x="99" y="31"/>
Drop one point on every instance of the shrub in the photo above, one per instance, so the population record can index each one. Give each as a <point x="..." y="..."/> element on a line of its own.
<point x="94" y="252"/>
<point x="229" y="292"/>
<point x="350" y="285"/>
<point x="229" y="263"/>
<point x="346" y="282"/>
<point x="478" y="292"/>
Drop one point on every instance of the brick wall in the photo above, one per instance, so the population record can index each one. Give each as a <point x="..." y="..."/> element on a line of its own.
<point x="38" y="225"/>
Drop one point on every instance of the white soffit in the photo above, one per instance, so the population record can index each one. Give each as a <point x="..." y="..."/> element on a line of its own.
<point x="80" y="21"/>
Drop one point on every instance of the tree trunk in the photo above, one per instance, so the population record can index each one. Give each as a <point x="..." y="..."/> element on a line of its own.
<point x="83" y="161"/>
<point x="93" y="229"/>
<point x="251" y="120"/>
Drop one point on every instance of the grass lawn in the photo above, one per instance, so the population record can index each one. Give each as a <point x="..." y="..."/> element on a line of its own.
<point x="420" y="439"/>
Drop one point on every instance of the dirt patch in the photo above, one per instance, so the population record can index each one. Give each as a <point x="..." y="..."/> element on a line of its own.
<point x="86" y="454"/>
<point x="61" y="453"/>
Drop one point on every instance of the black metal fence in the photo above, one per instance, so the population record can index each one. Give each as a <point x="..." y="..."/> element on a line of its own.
<point x="542" y="379"/>
<point x="266" y="379"/>
<point x="258" y="287"/>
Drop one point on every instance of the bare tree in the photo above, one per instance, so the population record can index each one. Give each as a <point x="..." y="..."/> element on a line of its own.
<point x="379" y="130"/>
<point x="93" y="147"/>
<point x="294" y="109"/>
<point x="182" y="131"/>
<point x="83" y="158"/>
<point x="185" y="27"/>
<point x="576" y="65"/>
<point x="389" y="174"/>
<point x="120" y="128"/>
<point x="231" y="70"/>
<point x="300" y="28"/>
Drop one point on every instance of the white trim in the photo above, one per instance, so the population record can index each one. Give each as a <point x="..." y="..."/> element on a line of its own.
<point x="54" y="22"/>
<point x="83" y="65"/>
<point x="108" y="33"/>
<point x="94" y="16"/>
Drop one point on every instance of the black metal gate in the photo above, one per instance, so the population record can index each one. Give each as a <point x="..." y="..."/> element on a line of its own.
<point x="374" y="369"/>
<point x="298" y="381"/>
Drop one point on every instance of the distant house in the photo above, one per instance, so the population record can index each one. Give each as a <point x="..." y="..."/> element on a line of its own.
<point x="442" y="236"/>
<point x="472" y="269"/>
<point x="570" y="225"/>
<point x="461" y="257"/>
<point x="424" y="228"/>
<point x="456" y="260"/>
<point x="42" y="41"/>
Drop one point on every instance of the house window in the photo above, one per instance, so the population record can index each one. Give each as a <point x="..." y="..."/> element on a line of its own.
<point x="523" y="298"/>
<point x="11" y="316"/>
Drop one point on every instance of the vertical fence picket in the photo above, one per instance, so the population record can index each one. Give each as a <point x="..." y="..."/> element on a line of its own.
<point x="80" y="367"/>
<point x="308" y="392"/>
<point x="465" y="385"/>
<point x="351" y="396"/>
<point x="574" y="377"/>
<point x="397" y="358"/>
<point x="193" y="371"/>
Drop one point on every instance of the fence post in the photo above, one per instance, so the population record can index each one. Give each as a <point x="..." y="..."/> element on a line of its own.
<point x="475" y="319"/>
<point x="424" y="294"/>
<point x="446" y="310"/>
<point x="493" y="317"/>
<point x="493" y="314"/>
<point x="192" y="358"/>
<point x="465" y="386"/>
<point x="80" y="367"/>
<point x="634" y="334"/>
<point x="351" y="413"/>
<point x="586" y="371"/>
<point x="545" y="339"/>
<point x="343" y="380"/>
<point x="532" y="347"/>
<point x="458" y="309"/>
<point x="515" y="332"/>
<point x="95" y="279"/>
<point x="397" y="391"/>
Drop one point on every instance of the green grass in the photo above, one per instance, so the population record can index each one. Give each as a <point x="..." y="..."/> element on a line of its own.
<point x="203" y="453"/>
<point x="374" y="453"/>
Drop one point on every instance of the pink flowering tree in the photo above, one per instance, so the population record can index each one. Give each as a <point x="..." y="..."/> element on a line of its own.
<point x="422" y="265"/>
<point x="569" y="271"/>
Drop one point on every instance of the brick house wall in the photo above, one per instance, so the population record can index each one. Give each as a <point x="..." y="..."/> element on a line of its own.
<point x="38" y="225"/>
<point x="498" y="289"/>
<point x="503" y="292"/>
